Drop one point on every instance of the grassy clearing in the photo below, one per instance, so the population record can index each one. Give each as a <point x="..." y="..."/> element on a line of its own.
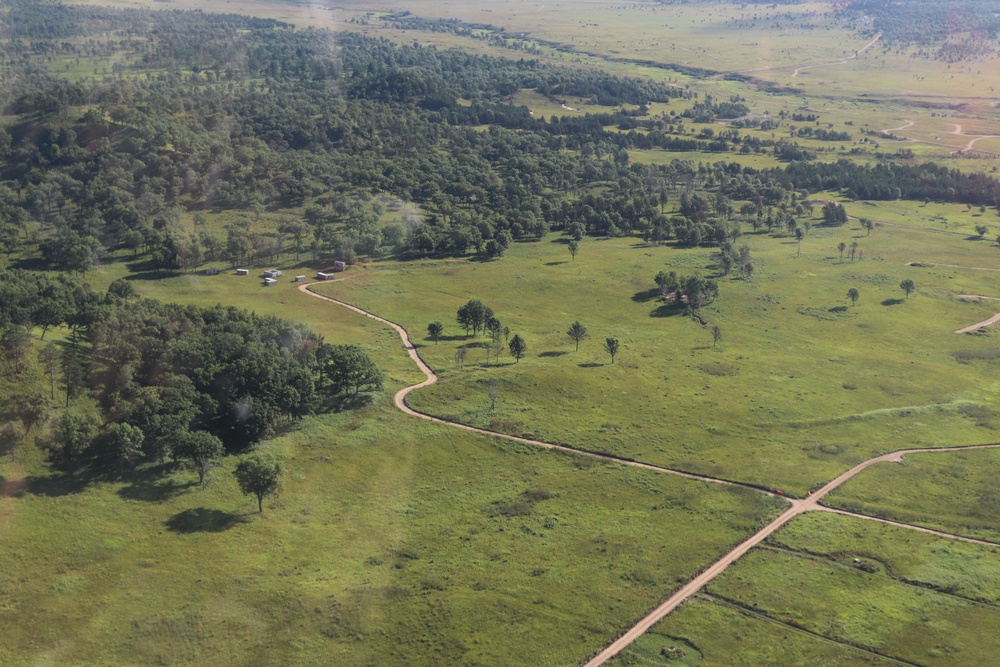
<point x="393" y="541"/>
<point x="967" y="570"/>
<point x="709" y="634"/>
<point x="818" y="384"/>
<point x="914" y="624"/>
<point x="954" y="492"/>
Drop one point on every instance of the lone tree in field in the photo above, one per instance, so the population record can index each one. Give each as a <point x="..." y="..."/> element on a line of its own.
<point x="577" y="332"/>
<point x="518" y="348"/>
<point x="460" y="355"/>
<point x="907" y="286"/>
<point x="574" y="247"/>
<point x="434" y="330"/>
<point x="853" y="295"/>
<point x="981" y="230"/>
<point x="799" y="235"/>
<point x="258" y="477"/>
<point x="842" y="247"/>
<point x="868" y="225"/>
<point x="716" y="335"/>
<point x="611" y="347"/>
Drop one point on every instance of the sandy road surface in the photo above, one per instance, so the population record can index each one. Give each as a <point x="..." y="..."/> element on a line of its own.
<point x="798" y="506"/>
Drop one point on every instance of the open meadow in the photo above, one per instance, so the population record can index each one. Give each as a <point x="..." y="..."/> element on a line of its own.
<point x="146" y="156"/>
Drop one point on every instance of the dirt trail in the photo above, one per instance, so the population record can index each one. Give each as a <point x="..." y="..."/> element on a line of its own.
<point x="909" y="124"/>
<point x="900" y="524"/>
<point x="809" y="504"/>
<point x="979" y="325"/>
<point x="800" y="68"/>
<point x="798" y="506"/>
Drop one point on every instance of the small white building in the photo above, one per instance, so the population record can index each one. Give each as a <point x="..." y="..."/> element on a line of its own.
<point x="339" y="266"/>
<point x="271" y="273"/>
<point x="211" y="271"/>
<point x="270" y="281"/>
<point x="243" y="272"/>
<point x="300" y="279"/>
<point x="323" y="276"/>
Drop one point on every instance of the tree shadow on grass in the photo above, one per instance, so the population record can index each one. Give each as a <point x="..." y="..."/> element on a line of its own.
<point x="345" y="402"/>
<point x="590" y="364"/>
<point x="646" y="295"/>
<point x="555" y="263"/>
<point x="553" y="353"/>
<point x="564" y="240"/>
<point x="58" y="484"/>
<point x="153" y="491"/>
<point x="668" y="310"/>
<point x="839" y="309"/>
<point x="892" y="302"/>
<point x="203" y="520"/>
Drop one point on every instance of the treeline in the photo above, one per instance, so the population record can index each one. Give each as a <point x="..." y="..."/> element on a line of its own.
<point x="158" y="375"/>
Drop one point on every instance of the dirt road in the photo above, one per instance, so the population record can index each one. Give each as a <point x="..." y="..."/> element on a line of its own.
<point x="798" y="506"/>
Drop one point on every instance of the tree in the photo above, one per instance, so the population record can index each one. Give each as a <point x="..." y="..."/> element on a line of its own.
<point x="122" y="444"/>
<point x="73" y="433"/>
<point x="493" y="389"/>
<point x="348" y="367"/>
<point x="799" y="235"/>
<point x="716" y="335"/>
<point x="73" y="374"/>
<point x="574" y="247"/>
<point x="841" y="247"/>
<point x="667" y="282"/>
<point x="853" y="295"/>
<point x="258" y="477"/>
<point x="611" y="347"/>
<point x="473" y="315"/>
<point x="460" y="355"/>
<point x="868" y="225"/>
<point x="907" y="286"/>
<point x="434" y="330"/>
<point x="31" y="409"/>
<point x="199" y="449"/>
<point x="16" y="342"/>
<point x="577" y="332"/>
<point x="49" y="356"/>
<point x="853" y="250"/>
<point x="981" y="230"/>
<point x="518" y="348"/>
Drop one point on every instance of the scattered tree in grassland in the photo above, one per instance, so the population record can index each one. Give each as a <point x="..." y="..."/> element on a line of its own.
<point x="981" y="230"/>
<point x="493" y="390"/>
<point x="907" y="286"/>
<point x="434" y="330"/>
<point x="716" y="335"/>
<point x="200" y="450"/>
<point x="574" y="247"/>
<point x="518" y="348"/>
<point x="842" y="247"/>
<point x="611" y="347"/>
<point x="577" y="332"/>
<point x="853" y="295"/>
<point x="258" y="477"/>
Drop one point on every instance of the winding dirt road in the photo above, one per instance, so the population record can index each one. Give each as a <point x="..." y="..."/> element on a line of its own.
<point x="798" y="506"/>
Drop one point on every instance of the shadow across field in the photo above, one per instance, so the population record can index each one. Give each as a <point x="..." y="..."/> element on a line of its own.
<point x="203" y="520"/>
<point x="154" y="491"/>
<point x="552" y="353"/>
<point x="892" y="302"/>
<point x="646" y="295"/>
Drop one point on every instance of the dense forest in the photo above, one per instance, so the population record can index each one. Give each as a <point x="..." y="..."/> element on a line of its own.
<point x="161" y="380"/>
<point x="217" y="112"/>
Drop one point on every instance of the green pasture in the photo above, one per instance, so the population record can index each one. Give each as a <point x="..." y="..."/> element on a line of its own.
<point x="851" y="606"/>
<point x="951" y="491"/>
<point x="970" y="571"/>
<point x="801" y="386"/>
<point x="393" y="540"/>
<point x="709" y="634"/>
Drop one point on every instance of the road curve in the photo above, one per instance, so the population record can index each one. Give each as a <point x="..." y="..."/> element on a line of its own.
<point x="798" y="506"/>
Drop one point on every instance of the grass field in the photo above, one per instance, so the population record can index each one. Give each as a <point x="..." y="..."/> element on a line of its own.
<point x="966" y="570"/>
<point x="708" y="634"/>
<point x="804" y="600"/>
<point x="955" y="492"/>
<point x="801" y="386"/>
<point x="851" y="606"/>
<point x="392" y="541"/>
